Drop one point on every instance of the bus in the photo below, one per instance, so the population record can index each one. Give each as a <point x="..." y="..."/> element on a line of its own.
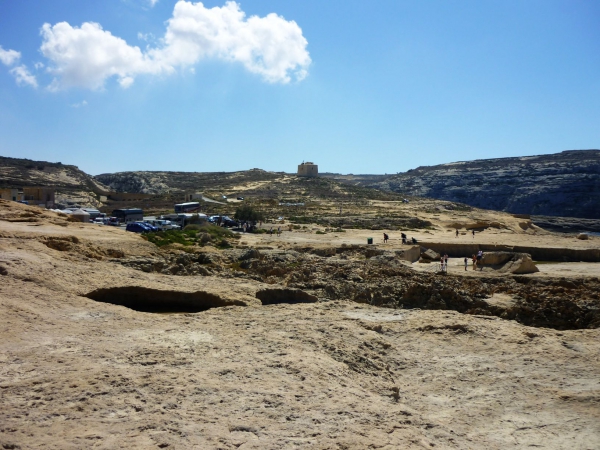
<point x="187" y="207"/>
<point x="128" y="215"/>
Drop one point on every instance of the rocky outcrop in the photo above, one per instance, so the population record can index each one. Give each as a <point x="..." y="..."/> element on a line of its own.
<point x="384" y="280"/>
<point x="507" y="262"/>
<point x="537" y="253"/>
<point x="563" y="184"/>
<point x="411" y="254"/>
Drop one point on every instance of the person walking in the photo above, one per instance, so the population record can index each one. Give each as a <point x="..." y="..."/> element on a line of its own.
<point x="473" y="232"/>
<point x="474" y="261"/>
<point x="457" y="232"/>
<point x="442" y="268"/>
<point x="466" y="262"/>
<point x="446" y="261"/>
<point x="385" y="238"/>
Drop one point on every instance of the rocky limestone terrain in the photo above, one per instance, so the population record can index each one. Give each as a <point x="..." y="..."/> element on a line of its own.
<point x="564" y="184"/>
<point x="15" y="172"/>
<point x="158" y="183"/>
<point x="111" y="342"/>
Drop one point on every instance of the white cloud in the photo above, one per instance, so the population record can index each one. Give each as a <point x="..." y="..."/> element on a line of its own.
<point x="79" y="105"/>
<point x="152" y="3"/>
<point x="38" y="65"/>
<point x="23" y="76"/>
<point x="148" y="37"/>
<point x="87" y="56"/>
<point x="9" y="57"/>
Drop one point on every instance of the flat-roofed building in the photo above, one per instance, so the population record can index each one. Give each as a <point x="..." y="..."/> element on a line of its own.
<point x="308" y="169"/>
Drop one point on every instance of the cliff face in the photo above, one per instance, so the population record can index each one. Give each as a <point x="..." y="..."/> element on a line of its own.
<point x="564" y="184"/>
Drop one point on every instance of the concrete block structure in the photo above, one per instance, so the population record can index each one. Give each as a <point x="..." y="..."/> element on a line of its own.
<point x="189" y="197"/>
<point x="308" y="169"/>
<point x="41" y="196"/>
<point x="16" y="195"/>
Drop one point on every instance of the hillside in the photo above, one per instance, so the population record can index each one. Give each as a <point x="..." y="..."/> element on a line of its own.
<point x="159" y="183"/>
<point x="563" y="184"/>
<point x="17" y="172"/>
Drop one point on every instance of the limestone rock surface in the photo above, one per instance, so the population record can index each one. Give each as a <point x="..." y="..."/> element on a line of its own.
<point x="564" y="184"/>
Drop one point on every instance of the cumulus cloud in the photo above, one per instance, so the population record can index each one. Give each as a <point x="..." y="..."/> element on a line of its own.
<point x="21" y="73"/>
<point x="152" y="2"/>
<point x="9" y="57"/>
<point x="87" y="56"/>
<point x="23" y="76"/>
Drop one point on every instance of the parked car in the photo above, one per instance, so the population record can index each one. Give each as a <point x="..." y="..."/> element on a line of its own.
<point x="149" y="226"/>
<point x="137" y="227"/>
<point x="163" y="224"/>
<point x="114" y="221"/>
<point x="229" y="222"/>
<point x="240" y="198"/>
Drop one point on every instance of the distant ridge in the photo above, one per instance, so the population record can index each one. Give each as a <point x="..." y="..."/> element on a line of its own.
<point x="563" y="184"/>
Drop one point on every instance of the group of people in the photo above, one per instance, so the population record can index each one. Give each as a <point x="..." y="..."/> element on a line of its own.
<point x="477" y="261"/>
<point x="278" y="231"/>
<point x="444" y="263"/>
<point x="472" y="232"/>
<point x="405" y="239"/>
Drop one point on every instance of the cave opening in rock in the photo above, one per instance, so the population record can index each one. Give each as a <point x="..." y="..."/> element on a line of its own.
<point x="290" y="296"/>
<point x="158" y="301"/>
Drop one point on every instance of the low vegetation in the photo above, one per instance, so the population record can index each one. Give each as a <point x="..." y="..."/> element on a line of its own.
<point x="194" y="235"/>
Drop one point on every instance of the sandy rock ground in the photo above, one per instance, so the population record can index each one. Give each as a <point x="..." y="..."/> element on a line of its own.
<point x="77" y="373"/>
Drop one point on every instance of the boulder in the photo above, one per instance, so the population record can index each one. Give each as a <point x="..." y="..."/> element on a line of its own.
<point x="427" y="253"/>
<point x="509" y="262"/>
<point x="411" y="254"/>
<point x="583" y="236"/>
<point x="251" y="253"/>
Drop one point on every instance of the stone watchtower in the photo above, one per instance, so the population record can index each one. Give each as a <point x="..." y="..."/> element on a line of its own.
<point x="308" y="169"/>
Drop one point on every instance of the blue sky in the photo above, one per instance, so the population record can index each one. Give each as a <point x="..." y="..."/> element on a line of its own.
<point x="356" y="87"/>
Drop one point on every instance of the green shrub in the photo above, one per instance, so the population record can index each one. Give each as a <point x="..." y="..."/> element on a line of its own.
<point x="214" y="230"/>
<point x="162" y="238"/>
<point x="247" y="212"/>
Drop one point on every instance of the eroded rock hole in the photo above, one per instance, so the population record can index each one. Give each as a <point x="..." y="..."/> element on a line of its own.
<point x="275" y="296"/>
<point x="157" y="301"/>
